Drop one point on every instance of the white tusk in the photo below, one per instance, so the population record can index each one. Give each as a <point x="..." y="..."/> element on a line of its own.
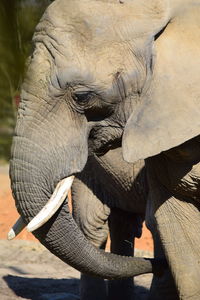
<point x="16" y="229"/>
<point x="56" y="200"/>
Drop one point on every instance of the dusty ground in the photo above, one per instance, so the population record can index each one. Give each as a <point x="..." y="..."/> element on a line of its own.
<point x="29" y="271"/>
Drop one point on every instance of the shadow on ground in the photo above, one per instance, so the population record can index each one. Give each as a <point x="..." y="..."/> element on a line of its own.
<point x="43" y="288"/>
<point x="28" y="271"/>
<point x="52" y="289"/>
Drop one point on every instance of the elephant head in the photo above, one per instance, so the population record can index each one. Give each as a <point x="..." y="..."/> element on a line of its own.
<point x="90" y="79"/>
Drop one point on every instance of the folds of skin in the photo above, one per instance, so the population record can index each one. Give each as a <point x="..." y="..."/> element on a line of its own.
<point x="174" y="203"/>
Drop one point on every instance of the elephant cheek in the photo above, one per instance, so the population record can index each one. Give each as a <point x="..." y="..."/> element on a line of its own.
<point x="44" y="151"/>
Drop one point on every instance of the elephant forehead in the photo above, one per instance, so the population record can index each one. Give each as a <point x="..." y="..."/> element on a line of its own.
<point x="86" y="19"/>
<point x="100" y="65"/>
<point x="95" y="40"/>
<point x="83" y="38"/>
<point x="104" y="20"/>
<point x="88" y="63"/>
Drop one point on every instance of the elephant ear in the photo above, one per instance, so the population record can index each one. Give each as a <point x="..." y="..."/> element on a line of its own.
<point x="168" y="113"/>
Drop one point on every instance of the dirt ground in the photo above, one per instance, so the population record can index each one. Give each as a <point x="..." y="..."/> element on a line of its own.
<point x="27" y="269"/>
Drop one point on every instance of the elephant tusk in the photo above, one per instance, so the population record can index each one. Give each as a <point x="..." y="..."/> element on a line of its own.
<point x="16" y="229"/>
<point x="53" y="204"/>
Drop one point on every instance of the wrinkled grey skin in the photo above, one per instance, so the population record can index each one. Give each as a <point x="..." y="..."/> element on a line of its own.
<point x="104" y="73"/>
<point x="110" y="195"/>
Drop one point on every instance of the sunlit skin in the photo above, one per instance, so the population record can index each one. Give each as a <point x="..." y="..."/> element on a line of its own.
<point x="105" y="74"/>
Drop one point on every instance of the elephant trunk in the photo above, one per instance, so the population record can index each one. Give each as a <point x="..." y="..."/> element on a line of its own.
<point x="60" y="234"/>
<point x="43" y="153"/>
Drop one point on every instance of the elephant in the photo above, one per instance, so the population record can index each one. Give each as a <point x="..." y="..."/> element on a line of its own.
<point x="103" y="74"/>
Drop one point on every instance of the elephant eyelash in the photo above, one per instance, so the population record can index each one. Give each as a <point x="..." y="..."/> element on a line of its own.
<point x="82" y="98"/>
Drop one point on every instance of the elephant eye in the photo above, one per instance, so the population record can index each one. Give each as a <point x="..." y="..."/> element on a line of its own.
<point x="82" y="97"/>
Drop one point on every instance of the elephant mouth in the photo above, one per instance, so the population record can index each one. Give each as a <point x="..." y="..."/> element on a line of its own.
<point x="103" y="149"/>
<point x="59" y="195"/>
<point x="108" y="141"/>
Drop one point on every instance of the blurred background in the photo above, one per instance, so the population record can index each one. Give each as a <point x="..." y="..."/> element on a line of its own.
<point x="18" y="19"/>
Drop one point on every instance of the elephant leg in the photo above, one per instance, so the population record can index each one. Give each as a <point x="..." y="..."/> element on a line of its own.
<point x="91" y="214"/>
<point x="124" y="227"/>
<point x="178" y="231"/>
<point x="177" y="222"/>
<point x="162" y="288"/>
